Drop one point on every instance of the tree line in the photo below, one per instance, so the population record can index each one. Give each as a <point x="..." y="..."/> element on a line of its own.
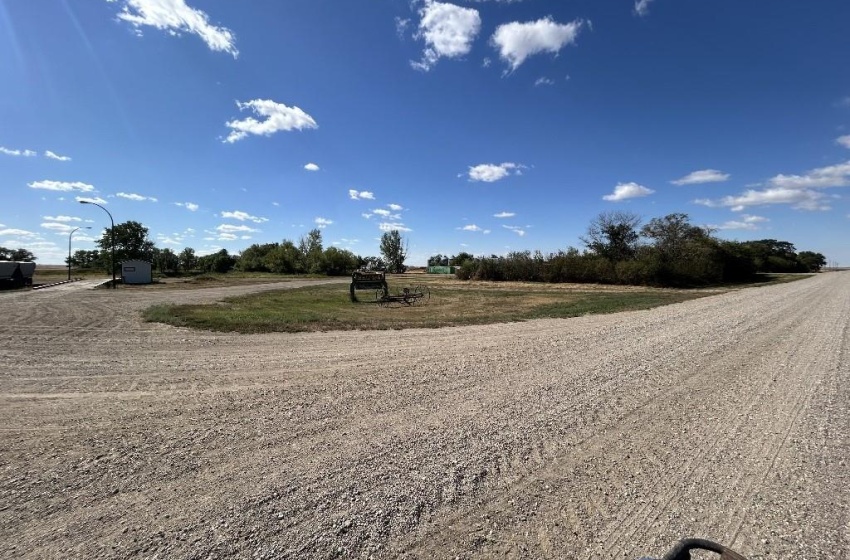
<point x="667" y="251"/>
<point x="307" y="256"/>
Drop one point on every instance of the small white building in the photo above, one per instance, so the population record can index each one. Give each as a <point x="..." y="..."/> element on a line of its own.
<point x="136" y="272"/>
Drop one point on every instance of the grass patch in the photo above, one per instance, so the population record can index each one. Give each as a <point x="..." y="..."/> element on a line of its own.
<point x="452" y="302"/>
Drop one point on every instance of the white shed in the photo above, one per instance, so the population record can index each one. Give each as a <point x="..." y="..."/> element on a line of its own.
<point x="136" y="272"/>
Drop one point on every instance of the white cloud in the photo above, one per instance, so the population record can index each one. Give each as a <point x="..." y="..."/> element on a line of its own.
<point x="625" y="191"/>
<point x="56" y="226"/>
<point x="386" y="214"/>
<point x="366" y="215"/>
<point x="62" y="219"/>
<point x="96" y="199"/>
<point x="823" y="177"/>
<point x="395" y="207"/>
<point x="243" y="216"/>
<point x="277" y="117"/>
<point x="642" y="7"/>
<point x="470" y="227"/>
<point x="702" y="176"/>
<point x="401" y="25"/>
<point x="136" y="197"/>
<point x="17" y="232"/>
<point x="389" y="226"/>
<point x="360" y="195"/>
<point x="504" y="215"/>
<point x="544" y="82"/>
<point x="311" y="167"/>
<point x="230" y="228"/>
<point x="61" y="186"/>
<point x="448" y="32"/>
<point x="55" y="156"/>
<point x="175" y="17"/>
<point x="322" y="223"/>
<point x="517" y="41"/>
<point x="843" y="141"/>
<point x="489" y="172"/>
<point x="190" y="206"/>
<point x="17" y="153"/>
<point x="800" y="199"/>
<point x="516" y="229"/>
<point x="747" y="222"/>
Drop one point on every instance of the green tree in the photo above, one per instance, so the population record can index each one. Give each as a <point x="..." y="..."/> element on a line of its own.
<point x="131" y="243"/>
<point x="811" y="261"/>
<point x="221" y="261"/>
<point x="186" y="260"/>
<point x="374" y="263"/>
<point x="613" y="235"/>
<point x="21" y="255"/>
<point x="312" y="251"/>
<point x="285" y="258"/>
<point x="671" y="233"/>
<point x="461" y="258"/>
<point x="166" y="260"/>
<point x="394" y="251"/>
<point x="338" y="262"/>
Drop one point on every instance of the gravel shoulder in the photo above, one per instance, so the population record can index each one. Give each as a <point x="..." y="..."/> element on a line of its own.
<point x="596" y="437"/>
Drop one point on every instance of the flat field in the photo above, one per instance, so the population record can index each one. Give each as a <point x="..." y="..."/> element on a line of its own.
<point x="599" y="436"/>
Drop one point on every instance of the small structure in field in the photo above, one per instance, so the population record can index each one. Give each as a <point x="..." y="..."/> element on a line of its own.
<point x="136" y="272"/>
<point x="442" y="269"/>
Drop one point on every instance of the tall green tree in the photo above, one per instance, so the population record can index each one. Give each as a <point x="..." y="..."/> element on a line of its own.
<point x="131" y="243"/>
<point x="613" y="235"/>
<point x="394" y="251"/>
<point x="186" y="260"/>
<point x="312" y="251"/>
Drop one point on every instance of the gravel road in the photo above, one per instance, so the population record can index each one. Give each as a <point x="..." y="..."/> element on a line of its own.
<point x="596" y="437"/>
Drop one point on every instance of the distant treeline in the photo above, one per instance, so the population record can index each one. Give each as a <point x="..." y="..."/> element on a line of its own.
<point x="667" y="251"/>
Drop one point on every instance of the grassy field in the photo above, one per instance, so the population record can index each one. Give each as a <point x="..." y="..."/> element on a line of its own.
<point x="452" y="302"/>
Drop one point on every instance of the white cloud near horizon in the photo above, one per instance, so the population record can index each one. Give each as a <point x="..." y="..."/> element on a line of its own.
<point x="176" y="17"/>
<point x="62" y="186"/>
<point x="516" y="229"/>
<point x="190" y="206"/>
<point x="490" y="172"/>
<point x="243" y="216"/>
<point x="624" y="191"/>
<point x="504" y="215"/>
<point x="57" y="157"/>
<point x="354" y="194"/>
<point x="702" y="176"/>
<point x="18" y="232"/>
<point x="58" y="226"/>
<point x="278" y="117"/>
<point x="448" y="32"/>
<point x="17" y="153"/>
<point x="389" y="226"/>
<point x="747" y="222"/>
<point x="311" y="167"/>
<point x="517" y="41"/>
<point x="136" y="197"/>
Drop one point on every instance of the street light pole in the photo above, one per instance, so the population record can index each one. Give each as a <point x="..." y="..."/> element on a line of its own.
<point x="113" y="235"/>
<point x="69" y="248"/>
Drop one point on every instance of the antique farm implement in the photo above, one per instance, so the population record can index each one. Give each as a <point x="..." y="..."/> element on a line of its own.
<point x="365" y="279"/>
<point x="417" y="295"/>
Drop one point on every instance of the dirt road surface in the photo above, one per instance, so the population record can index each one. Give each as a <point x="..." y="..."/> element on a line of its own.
<point x="596" y="437"/>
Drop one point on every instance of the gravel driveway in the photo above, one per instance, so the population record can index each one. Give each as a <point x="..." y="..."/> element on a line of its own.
<point x="596" y="437"/>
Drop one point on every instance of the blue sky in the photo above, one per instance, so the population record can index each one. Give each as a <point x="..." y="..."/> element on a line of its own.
<point x="478" y="126"/>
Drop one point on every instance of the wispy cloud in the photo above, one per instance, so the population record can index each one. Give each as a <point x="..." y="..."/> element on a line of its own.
<point x="470" y="227"/>
<point x="311" y="167"/>
<point x="544" y="82"/>
<point x="62" y="219"/>
<point x="490" y="172"/>
<point x="175" y="17"/>
<point x="18" y="232"/>
<point x="17" y="153"/>
<point x="642" y="7"/>
<point x="136" y="197"/>
<point x="702" y="176"/>
<point x="822" y="177"/>
<point x="843" y="140"/>
<point x="190" y="206"/>
<point x="517" y="41"/>
<point x="230" y="228"/>
<point x="447" y="30"/>
<point x="62" y="186"/>
<point x="57" y="226"/>
<point x="276" y="117"/>
<point x="389" y="226"/>
<point x="747" y="222"/>
<point x="395" y="207"/>
<point x="799" y="199"/>
<point x="322" y="223"/>
<point x="354" y="194"/>
<point x="504" y="215"/>
<point x="57" y="157"/>
<point x="516" y="229"/>
<point x="624" y="191"/>
<point x="243" y="216"/>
